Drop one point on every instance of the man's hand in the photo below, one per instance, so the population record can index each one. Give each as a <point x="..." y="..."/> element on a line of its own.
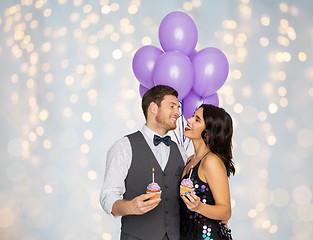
<point x="140" y="205"/>
<point x="137" y="206"/>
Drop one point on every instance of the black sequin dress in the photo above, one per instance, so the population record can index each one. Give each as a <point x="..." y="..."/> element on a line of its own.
<point x="194" y="226"/>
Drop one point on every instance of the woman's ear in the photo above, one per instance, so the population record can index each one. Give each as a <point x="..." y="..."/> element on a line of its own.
<point x="206" y="137"/>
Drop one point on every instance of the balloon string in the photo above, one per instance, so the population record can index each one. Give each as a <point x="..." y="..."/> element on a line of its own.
<point x="176" y="137"/>
<point x="180" y="132"/>
<point x="188" y="144"/>
<point x="182" y="124"/>
<point x="183" y="128"/>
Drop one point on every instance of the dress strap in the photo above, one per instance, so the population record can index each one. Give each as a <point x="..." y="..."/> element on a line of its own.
<point x="188" y="161"/>
<point x="204" y="155"/>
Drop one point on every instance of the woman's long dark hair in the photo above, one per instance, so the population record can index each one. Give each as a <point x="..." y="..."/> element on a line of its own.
<point x="218" y="134"/>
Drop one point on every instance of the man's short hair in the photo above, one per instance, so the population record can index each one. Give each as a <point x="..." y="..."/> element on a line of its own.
<point x="156" y="94"/>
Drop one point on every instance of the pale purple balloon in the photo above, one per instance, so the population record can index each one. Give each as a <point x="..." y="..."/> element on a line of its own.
<point x="193" y="54"/>
<point x="142" y="90"/>
<point x="143" y="64"/>
<point x="178" y="32"/>
<point x="193" y="101"/>
<point x="174" y="69"/>
<point x="212" y="99"/>
<point x="211" y="71"/>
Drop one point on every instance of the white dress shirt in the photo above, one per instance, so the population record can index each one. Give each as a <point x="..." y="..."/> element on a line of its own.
<point x="118" y="163"/>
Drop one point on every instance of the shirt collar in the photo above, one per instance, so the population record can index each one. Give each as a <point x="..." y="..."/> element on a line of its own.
<point x="150" y="133"/>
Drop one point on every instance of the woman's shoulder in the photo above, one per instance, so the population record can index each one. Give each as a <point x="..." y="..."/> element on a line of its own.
<point x="212" y="167"/>
<point x="212" y="162"/>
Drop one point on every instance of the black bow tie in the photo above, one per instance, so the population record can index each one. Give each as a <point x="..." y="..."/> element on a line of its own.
<point x="157" y="139"/>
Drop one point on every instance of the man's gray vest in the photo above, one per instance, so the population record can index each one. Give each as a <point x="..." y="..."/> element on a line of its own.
<point x="164" y="218"/>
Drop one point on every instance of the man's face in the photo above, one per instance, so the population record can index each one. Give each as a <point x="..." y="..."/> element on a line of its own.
<point x="168" y="112"/>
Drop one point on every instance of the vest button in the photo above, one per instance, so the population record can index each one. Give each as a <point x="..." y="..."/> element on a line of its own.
<point x="166" y="199"/>
<point x="166" y="187"/>
<point x="166" y="212"/>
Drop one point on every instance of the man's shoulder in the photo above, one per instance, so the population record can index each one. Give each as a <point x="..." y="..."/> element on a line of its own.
<point x="123" y="142"/>
<point x="119" y="143"/>
<point x="133" y="134"/>
<point x="182" y="151"/>
<point x="175" y="144"/>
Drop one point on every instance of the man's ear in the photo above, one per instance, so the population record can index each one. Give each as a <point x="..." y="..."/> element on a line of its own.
<point x="153" y="108"/>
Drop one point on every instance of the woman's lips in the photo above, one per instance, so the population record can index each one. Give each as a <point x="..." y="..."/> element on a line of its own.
<point x="187" y="128"/>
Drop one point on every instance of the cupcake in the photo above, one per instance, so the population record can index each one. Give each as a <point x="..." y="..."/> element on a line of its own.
<point x="154" y="188"/>
<point x="186" y="184"/>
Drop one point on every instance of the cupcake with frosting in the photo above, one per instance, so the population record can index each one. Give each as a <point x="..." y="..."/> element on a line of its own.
<point x="186" y="184"/>
<point x="154" y="188"/>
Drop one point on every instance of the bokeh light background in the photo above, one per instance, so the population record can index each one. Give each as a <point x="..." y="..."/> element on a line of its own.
<point x="68" y="93"/>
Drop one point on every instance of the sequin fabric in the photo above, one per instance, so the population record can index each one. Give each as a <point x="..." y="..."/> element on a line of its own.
<point x="194" y="226"/>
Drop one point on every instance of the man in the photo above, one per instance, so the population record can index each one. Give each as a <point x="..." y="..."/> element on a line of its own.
<point x="129" y="171"/>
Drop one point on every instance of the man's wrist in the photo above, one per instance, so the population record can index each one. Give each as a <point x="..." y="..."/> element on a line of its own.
<point x="122" y="208"/>
<point x="127" y="207"/>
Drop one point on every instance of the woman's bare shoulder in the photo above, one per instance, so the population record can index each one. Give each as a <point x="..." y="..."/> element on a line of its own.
<point x="212" y="162"/>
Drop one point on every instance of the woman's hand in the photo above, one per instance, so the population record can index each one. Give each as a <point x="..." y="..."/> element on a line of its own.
<point x="192" y="201"/>
<point x="225" y="222"/>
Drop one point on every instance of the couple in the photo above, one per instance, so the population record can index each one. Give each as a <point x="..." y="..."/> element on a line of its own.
<point x="194" y="215"/>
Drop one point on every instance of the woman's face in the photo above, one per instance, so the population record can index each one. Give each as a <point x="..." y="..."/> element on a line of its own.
<point x="195" y="125"/>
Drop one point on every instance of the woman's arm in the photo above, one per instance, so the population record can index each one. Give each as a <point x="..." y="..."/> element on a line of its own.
<point x="212" y="171"/>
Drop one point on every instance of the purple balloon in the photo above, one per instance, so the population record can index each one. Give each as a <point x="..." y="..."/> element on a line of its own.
<point x="178" y="32"/>
<point x="143" y="64"/>
<point x="193" y="101"/>
<point x="174" y="69"/>
<point x="142" y="90"/>
<point x="193" y="54"/>
<point x="212" y="99"/>
<point x="211" y="71"/>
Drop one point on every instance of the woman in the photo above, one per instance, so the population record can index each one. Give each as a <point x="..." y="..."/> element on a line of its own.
<point x="203" y="210"/>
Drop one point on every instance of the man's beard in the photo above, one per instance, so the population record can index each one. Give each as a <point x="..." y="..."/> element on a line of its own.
<point x="167" y="125"/>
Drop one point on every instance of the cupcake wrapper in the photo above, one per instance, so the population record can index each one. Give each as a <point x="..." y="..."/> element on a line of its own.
<point x="157" y="194"/>
<point x="184" y="189"/>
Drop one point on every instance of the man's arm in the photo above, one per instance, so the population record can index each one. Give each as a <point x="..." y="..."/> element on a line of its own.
<point x="111" y="198"/>
<point x="117" y="164"/>
<point x="139" y="205"/>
